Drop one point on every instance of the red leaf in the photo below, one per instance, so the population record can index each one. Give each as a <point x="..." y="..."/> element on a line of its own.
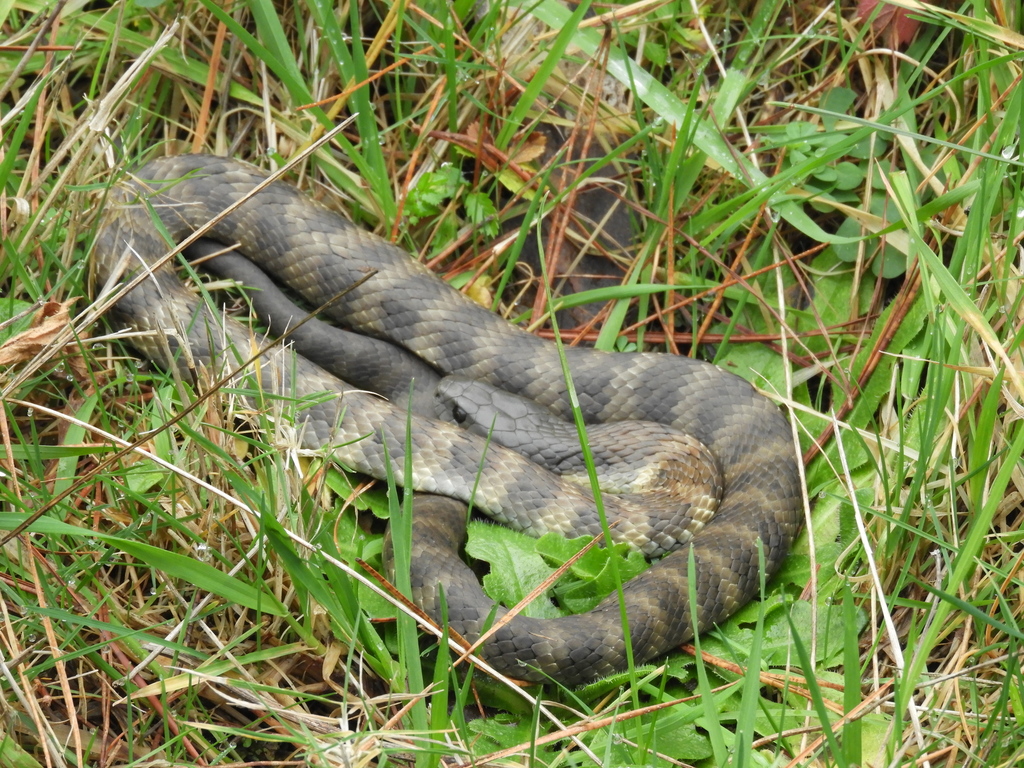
<point x="892" y="23"/>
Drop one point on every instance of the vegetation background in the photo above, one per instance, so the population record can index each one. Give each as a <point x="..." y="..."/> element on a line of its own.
<point x="826" y="199"/>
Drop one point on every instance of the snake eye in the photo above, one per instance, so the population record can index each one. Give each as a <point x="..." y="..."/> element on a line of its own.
<point x="459" y="414"/>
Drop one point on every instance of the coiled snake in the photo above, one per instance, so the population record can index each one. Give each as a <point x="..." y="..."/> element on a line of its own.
<point x="318" y="254"/>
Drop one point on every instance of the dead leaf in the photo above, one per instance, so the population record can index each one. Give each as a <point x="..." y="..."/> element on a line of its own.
<point x="892" y="24"/>
<point x="47" y="324"/>
<point x="529" y="148"/>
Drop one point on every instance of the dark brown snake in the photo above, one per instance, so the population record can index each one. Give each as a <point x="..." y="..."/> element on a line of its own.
<point x="318" y="254"/>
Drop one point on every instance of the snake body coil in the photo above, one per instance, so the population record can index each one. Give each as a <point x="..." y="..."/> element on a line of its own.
<point x="318" y="254"/>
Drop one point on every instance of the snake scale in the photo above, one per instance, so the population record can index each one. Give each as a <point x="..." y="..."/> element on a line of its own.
<point x="317" y="253"/>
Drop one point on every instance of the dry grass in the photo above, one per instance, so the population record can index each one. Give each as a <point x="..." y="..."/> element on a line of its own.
<point x="189" y="596"/>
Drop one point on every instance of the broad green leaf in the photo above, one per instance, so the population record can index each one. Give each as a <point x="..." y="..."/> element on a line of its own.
<point x="516" y="568"/>
<point x="594" y="577"/>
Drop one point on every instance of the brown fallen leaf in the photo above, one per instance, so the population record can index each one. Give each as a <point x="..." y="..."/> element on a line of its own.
<point x="52" y="318"/>
<point x="528" y="148"/>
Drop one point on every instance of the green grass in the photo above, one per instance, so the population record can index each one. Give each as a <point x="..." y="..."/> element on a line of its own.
<point x="836" y="222"/>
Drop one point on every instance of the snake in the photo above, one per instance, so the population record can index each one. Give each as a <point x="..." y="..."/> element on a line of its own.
<point x="706" y="563"/>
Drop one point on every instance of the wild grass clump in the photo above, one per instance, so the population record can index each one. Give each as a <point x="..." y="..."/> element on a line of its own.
<point x="825" y="200"/>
